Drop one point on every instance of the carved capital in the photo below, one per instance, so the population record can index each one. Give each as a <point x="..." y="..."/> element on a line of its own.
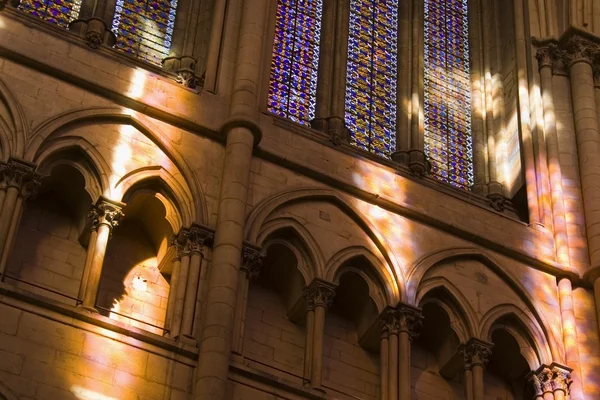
<point x="476" y="352"/>
<point x="196" y="237"/>
<point x="549" y="379"/>
<point x="546" y="55"/>
<point x="410" y="320"/>
<point x="20" y="175"/>
<point x="252" y="260"/>
<point x="577" y="49"/>
<point x="180" y="250"/>
<point x="106" y="212"/>
<point x="319" y="294"/>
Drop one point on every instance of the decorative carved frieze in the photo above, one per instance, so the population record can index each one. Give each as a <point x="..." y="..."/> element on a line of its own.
<point x="105" y="212"/>
<point x="549" y="379"/>
<point x="476" y="352"/>
<point x="252" y="260"/>
<point x="20" y="175"/>
<point x="319" y="293"/>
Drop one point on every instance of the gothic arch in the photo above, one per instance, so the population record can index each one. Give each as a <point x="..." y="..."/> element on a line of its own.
<point x="382" y="281"/>
<point x="259" y="214"/>
<point x="424" y="264"/>
<point x="463" y="318"/>
<point x="61" y="123"/>
<point x="309" y="247"/>
<point x="304" y="270"/>
<point x="168" y="190"/>
<point x="91" y="164"/>
<point x="14" y="142"/>
<point x="544" y="352"/>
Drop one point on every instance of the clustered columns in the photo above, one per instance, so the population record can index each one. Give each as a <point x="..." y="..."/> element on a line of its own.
<point x="475" y="354"/>
<point x="19" y="182"/>
<point x="318" y="296"/>
<point x="551" y="382"/>
<point x="190" y="245"/>
<point x="104" y="216"/>
<point x="252" y="260"/>
<point x="399" y="328"/>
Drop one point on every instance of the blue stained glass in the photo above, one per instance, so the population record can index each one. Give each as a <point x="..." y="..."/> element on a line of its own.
<point x="58" y="12"/>
<point x="293" y="81"/>
<point x="144" y="28"/>
<point x="371" y="75"/>
<point x="447" y="105"/>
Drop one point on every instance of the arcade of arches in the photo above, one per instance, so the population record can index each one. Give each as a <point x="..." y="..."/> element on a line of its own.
<point x="230" y="239"/>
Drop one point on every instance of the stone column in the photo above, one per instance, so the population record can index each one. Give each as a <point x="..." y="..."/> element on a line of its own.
<point x="182" y="266"/>
<point x="409" y="321"/>
<point x="468" y="382"/>
<point x="242" y="133"/>
<point x="252" y="260"/>
<point x="392" y="327"/>
<point x="105" y="216"/>
<point x="545" y="63"/>
<point x="476" y="353"/>
<point x="319" y="296"/>
<point x="197" y="238"/>
<point x="20" y="182"/>
<point x="551" y="382"/>
<point x="174" y="283"/>
<point x="384" y="349"/>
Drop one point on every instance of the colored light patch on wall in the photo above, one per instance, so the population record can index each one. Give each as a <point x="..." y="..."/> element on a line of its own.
<point x="371" y="75"/>
<point x="144" y="28"/>
<point x="447" y="103"/>
<point x="295" y="62"/>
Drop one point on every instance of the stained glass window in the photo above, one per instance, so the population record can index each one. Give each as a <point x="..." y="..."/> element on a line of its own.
<point x="293" y="83"/>
<point x="144" y="28"/>
<point x="371" y="75"/>
<point x="59" y="12"/>
<point x="447" y="105"/>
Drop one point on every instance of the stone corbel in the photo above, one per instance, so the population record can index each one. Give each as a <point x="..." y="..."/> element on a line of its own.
<point x="94" y="31"/>
<point x="184" y="70"/>
<point x="416" y="161"/>
<point x="334" y="127"/>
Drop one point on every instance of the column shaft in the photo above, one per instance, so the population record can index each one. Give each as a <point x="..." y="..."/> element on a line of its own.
<point x="404" y="365"/>
<point x="468" y="384"/>
<point x="570" y="340"/>
<point x="479" y="42"/>
<point x="191" y="294"/>
<point x="384" y="353"/>
<point x="478" y="388"/>
<point x="214" y="45"/>
<point x="308" y="351"/>
<point x="88" y="263"/>
<point x="240" y="312"/>
<point x="12" y="232"/>
<point x="326" y="56"/>
<point x="393" y="366"/>
<point x="6" y="217"/>
<point x="316" y="373"/>
<point x="172" y="294"/>
<point x="93" y="282"/>
<point x="178" y="309"/>
<point x="403" y="77"/>
<point x="416" y="139"/>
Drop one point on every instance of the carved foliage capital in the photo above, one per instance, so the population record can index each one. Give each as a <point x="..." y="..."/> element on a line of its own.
<point x="20" y="175"/>
<point x="577" y="49"/>
<point x="252" y="260"/>
<point x="319" y="294"/>
<point x="196" y="237"/>
<point x="546" y="55"/>
<point x="105" y="212"/>
<point x="476" y="352"/>
<point x="550" y="379"/>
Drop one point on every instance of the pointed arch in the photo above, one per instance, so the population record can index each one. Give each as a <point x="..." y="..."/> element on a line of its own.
<point x="14" y="144"/>
<point x="531" y="329"/>
<point x="383" y="277"/>
<point x="259" y="215"/>
<point x="94" y="116"/>
<point x="463" y="318"/>
<point x="429" y="261"/>
<point x="309" y="247"/>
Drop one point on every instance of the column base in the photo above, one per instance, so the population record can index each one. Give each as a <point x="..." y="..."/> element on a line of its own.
<point x="415" y="160"/>
<point x="94" y="31"/>
<point x="184" y="69"/>
<point x="334" y="127"/>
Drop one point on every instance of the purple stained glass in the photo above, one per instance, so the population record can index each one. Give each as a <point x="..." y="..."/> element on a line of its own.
<point x="144" y="28"/>
<point x="371" y="75"/>
<point x="447" y="105"/>
<point x="58" y="12"/>
<point x="293" y="81"/>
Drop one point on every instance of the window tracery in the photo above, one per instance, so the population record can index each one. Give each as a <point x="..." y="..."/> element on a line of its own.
<point x="447" y="101"/>
<point x="293" y="80"/>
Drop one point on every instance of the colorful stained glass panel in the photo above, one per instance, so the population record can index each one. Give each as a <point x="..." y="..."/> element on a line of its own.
<point x="371" y="75"/>
<point x="448" y="141"/>
<point x="293" y="82"/>
<point x="59" y="12"/>
<point x="144" y="28"/>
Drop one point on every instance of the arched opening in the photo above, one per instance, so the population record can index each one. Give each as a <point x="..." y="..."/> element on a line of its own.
<point x="50" y="246"/>
<point x="274" y="336"/>
<point x="134" y="287"/>
<point x="436" y="361"/>
<point x="351" y="362"/>
<point x="506" y="373"/>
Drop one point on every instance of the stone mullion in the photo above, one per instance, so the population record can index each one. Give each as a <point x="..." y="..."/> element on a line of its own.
<point x="475" y="355"/>
<point x="326" y="60"/>
<point x="105" y="216"/>
<point x="252" y="260"/>
<point x="214" y="45"/>
<point x="403" y="77"/>
<point x="319" y="296"/>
